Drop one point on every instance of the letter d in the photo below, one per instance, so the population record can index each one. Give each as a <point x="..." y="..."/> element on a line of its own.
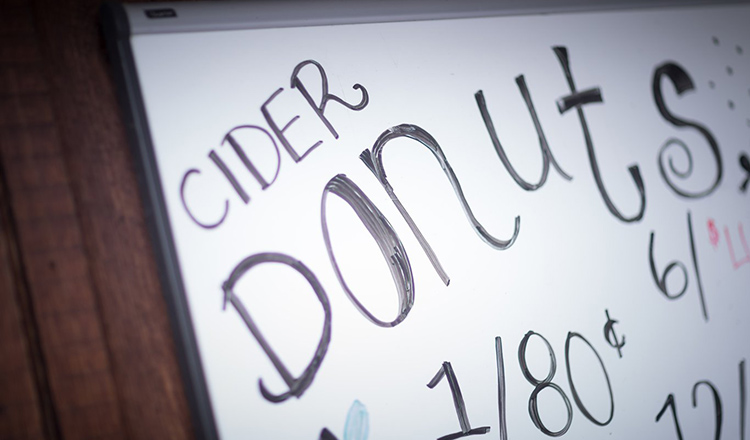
<point x="297" y="385"/>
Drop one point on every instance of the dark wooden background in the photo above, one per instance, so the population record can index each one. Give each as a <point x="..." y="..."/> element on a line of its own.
<point x="86" y="350"/>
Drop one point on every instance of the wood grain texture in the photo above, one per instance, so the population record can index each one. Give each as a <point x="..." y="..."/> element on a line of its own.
<point x="85" y="258"/>
<point x="21" y="412"/>
<point x="21" y="415"/>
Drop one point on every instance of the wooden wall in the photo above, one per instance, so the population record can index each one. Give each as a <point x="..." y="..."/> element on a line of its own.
<point x="86" y="350"/>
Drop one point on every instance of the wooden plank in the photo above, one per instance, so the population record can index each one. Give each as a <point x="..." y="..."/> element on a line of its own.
<point x="75" y="383"/>
<point x="20" y="410"/>
<point x="106" y="361"/>
<point x="25" y="408"/>
<point x="118" y="257"/>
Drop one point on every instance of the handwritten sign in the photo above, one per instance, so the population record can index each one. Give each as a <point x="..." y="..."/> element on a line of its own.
<point x="502" y="227"/>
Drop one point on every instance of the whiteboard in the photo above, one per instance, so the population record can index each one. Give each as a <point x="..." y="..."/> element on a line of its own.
<point x="493" y="223"/>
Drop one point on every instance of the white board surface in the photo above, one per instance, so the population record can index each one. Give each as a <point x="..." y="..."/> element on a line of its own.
<point x="573" y="268"/>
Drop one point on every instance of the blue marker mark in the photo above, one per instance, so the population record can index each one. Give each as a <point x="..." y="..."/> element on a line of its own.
<point x="357" y="422"/>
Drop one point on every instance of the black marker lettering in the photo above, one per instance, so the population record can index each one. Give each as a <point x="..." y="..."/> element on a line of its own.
<point x="717" y="405"/>
<point x="325" y="96"/>
<point x="694" y="256"/>
<point x="246" y="161"/>
<point x="574" y="391"/>
<point x="661" y="282"/>
<point x="540" y="385"/>
<point x="718" y="410"/>
<point x="230" y="177"/>
<point x="671" y="405"/>
<point x="458" y="402"/>
<point x="390" y="246"/>
<point x="374" y="161"/>
<point x="611" y="336"/>
<point x="575" y="100"/>
<point x="547" y="157"/>
<point x="279" y="132"/>
<point x="325" y="434"/>
<point x="297" y="385"/>
<point x="501" y="403"/>
<point x="185" y="205"/>
<point x="745" y="165"/>
<point x="743" y="399"/>
<point x="683" y="83"/>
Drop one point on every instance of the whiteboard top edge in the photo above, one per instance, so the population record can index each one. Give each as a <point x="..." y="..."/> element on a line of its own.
<point x="155" y="18"/>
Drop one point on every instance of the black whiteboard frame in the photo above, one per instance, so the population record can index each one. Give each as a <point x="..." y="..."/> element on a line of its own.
<point x="120" y="22"/>
<point x="117" y="35"/>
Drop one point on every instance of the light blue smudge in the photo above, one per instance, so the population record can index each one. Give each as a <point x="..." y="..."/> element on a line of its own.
<point x="357" y="422"/>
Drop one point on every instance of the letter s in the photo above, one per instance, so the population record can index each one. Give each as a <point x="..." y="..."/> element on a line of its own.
<point x="683" y="83"/>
